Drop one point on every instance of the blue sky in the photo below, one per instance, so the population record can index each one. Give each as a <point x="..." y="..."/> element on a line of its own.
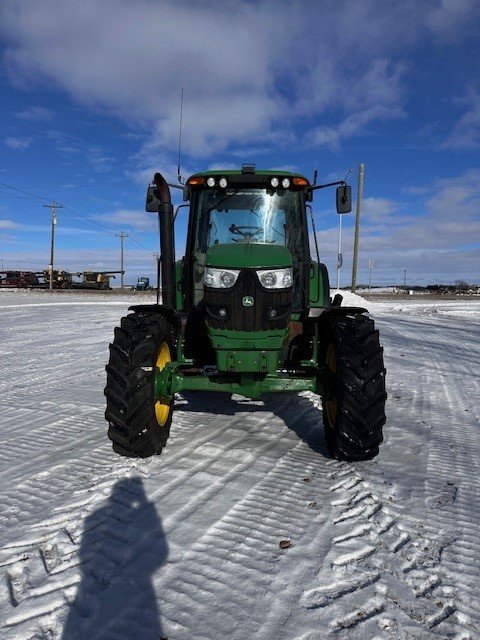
<point x="89" y="110"/>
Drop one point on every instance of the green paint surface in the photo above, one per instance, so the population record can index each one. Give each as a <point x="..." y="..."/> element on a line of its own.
<point x="179" y="297"/>
<point x="251" y="385"/>
<point x="248" y="254"/>
<point x="319" y="291"/>
<point x="254" y="340"/>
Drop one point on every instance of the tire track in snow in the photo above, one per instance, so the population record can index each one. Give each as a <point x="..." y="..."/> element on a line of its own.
<point x="37" y="489"/>
<point x="391" y="571"/>
<point x="453" y="484"/>
<point x="451" y="378"/>
<point x="225" y="550"/>
<point x="245" y="544"/>
<point x="415" y="595"/>
<point x="49" y="542"/>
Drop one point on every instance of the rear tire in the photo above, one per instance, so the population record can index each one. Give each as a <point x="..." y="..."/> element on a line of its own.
<point x="354" y="413"/>
<point x="130" y="391"/>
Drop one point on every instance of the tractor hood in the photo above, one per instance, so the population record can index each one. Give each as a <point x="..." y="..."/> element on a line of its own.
<point x="252" y="255"/>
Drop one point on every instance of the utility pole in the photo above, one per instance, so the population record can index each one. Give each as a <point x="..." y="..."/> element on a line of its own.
<point x="157" y="265"/>
<point x="405" y="279"/>
<point x="371" y="266"/>
<point x="122" y="236"/>
<point x="339" y="251"/>
<point x="53" y="208"/>
<point x="361" y="173"/>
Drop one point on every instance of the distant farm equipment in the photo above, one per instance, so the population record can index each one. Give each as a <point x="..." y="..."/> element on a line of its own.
<point x="61" y="279"/>
<point x="95" y="280"/>
<point x="20" y="279"/>
<point x="143" y="284"/>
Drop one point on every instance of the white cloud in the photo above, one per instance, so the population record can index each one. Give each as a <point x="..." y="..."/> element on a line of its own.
<point x="379" y="209"/>
<point x="19" y="144"/>
<point x="466" y="132"/>
<point x="437" y="240"/>
<point x="36" y="114"/>
<point x="251" y="71"/>
<point x="61" y="229"/>
<point x="99" y="160"/>
<point x="355" y="123"/>
<point x="9" y="224"/>
<point x="451" y="19"/>
<point x="134" y="218"/>
<point x="148" y="52"/>
<point x="64" y="142"/>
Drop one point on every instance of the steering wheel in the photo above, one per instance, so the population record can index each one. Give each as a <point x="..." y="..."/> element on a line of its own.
<point x="247" y="231"/>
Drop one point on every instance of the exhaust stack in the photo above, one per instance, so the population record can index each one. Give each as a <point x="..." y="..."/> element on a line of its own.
<point x="159" y="199"/>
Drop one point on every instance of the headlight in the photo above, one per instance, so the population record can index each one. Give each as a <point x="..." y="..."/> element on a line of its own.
<point x="276" y="278"/>
<point x="274" y="182"/>
<point x="285" y="183"/>
<point x="210" y="181"/>
<point x="220" y="278"/>
<point x="222" y="183"/>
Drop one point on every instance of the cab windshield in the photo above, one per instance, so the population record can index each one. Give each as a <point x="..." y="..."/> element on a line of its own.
<point x="247" y="215"/>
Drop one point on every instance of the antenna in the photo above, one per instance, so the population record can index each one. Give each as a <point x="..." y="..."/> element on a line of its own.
<point x="179" y="175"/>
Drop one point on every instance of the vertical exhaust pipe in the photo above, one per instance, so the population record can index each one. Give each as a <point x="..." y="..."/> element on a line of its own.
<point x="167" y="240"/>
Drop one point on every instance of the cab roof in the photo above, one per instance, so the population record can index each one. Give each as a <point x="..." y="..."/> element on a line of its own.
<point x="257" y="172"/>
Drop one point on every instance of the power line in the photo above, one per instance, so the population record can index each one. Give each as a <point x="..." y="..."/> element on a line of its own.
<point x="3" y="184"/>
<point x="14" y="195"/>
<point x="89" y="198"/>
<point x="22" y="213"/>
<point x="140" y="252"/>
<point x="144" y="249"/>
<point x="77" y="216"/>
<point x="142" y="245"/>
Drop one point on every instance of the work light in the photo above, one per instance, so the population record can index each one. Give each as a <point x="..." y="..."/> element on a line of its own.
<point x="211" y="181"/>
<point x="274" y="182"/>
<point x="286" y="183"/>
<point x="222" y="183"/>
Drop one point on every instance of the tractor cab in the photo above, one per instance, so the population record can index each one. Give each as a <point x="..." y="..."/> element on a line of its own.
<point x="236" y="215"/>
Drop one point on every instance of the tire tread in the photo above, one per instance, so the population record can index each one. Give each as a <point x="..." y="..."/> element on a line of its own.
<point x="360" y="389"/>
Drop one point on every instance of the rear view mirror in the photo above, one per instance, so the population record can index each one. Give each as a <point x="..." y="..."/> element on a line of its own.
<point x="344" y="199"/>
<point x="152" y="202"/>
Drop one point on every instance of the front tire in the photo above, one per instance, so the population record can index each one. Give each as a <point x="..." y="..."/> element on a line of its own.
<point x="139" y="424"/>
<point x="354" y="412"/>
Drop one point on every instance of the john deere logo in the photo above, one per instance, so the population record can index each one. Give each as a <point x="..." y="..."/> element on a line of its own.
<point x="247" y="301"/>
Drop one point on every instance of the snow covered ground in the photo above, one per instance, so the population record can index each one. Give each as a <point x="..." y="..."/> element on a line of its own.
<point x="187" y="545"/>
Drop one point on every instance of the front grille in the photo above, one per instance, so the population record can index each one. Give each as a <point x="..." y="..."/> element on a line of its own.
<point x="244" y="318"/>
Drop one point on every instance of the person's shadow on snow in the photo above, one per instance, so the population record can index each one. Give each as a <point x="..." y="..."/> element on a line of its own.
<point x="122" y="545"/>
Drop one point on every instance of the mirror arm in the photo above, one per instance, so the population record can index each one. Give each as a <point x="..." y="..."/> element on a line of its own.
<point x="180" y="206"/>
<point x="314" y="187"/>
<point x="177" y="186"/>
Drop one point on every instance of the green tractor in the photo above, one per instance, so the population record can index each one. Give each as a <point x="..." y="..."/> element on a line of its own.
<point x="246" y="311"/>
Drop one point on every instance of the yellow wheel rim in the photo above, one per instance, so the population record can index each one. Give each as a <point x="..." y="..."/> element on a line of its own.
<point x="162" y="406"/>
<point x="331" y="405"/>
